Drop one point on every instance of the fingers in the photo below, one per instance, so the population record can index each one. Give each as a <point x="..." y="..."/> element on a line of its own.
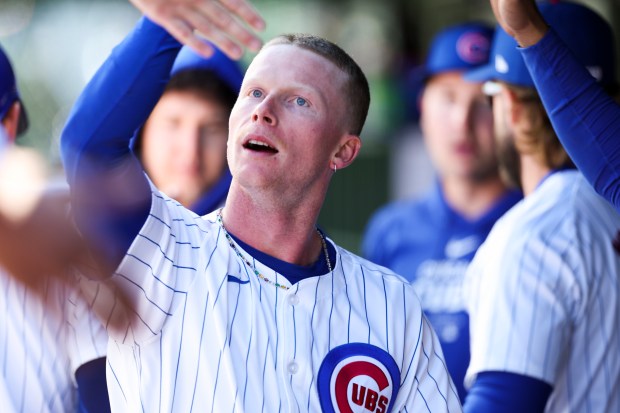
<point x="246" y="13"/>
<point x="218" y="24"/>
<point x="229" y="24"/>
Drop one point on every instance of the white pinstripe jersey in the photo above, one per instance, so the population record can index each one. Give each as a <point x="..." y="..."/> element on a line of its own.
<point x="36" y="372"/>
<point x="45" y="335"/>
<point x="545" y="298"/>
<point x="209" y="336"/>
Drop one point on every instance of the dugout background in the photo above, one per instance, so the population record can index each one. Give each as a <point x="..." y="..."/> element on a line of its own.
<point x="56" y="45"/>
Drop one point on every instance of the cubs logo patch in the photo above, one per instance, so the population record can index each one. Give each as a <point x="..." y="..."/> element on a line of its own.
<point x="356" y="378"/>
<point x="473" y="48"/>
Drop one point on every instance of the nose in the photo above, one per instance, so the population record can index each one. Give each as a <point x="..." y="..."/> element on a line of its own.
<point x="190" y="146"/>
<point x="265" y="112"/>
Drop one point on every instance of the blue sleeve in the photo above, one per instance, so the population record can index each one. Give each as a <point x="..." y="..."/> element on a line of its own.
<point x="496" y="391"/>
<point x="92" y="387"/>
<point x="585" y="118"/>
<point x="111" y="195"/>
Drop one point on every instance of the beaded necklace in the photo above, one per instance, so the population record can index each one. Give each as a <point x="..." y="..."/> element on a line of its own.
<point x="231" y="242"/>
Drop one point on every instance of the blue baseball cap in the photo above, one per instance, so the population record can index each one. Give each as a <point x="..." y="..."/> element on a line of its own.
<point x="585" y="33"/>
<point x="224" y="67"/>
<point x="461" y="47"/>
<point x="9" y="93"/>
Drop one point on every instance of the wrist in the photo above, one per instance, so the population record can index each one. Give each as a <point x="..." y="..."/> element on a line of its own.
<point x="532" y="34"/>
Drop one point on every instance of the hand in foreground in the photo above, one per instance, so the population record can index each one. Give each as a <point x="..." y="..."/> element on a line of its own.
<point x="520" y="19"/>
<point x="43" y="244"/>
<point x="222" y="22"/>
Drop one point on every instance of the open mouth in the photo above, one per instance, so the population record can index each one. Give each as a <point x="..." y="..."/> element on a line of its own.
<point x="259" y="146"/>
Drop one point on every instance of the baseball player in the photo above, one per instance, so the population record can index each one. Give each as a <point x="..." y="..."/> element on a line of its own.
<point x="585" y="116"/>
<point x="249" y="308"/>
<point x="545" y="293"/>
<point x="37" y="337"/>
<point x="431" y="240"/>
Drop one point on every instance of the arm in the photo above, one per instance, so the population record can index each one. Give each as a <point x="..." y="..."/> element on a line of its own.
<point x="586" y="120"/>
<point x="111" y="195"/>
<point x="496" y="391"/>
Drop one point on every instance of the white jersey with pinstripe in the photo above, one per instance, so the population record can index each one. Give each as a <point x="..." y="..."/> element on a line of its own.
<point x="207" y="335"/>
<point x="36" y="371"/>
<point x="545" y="296"/>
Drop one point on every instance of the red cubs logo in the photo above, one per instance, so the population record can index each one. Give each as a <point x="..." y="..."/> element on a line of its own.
<point x="357" y="378"/>
<point x="473" y="48"/>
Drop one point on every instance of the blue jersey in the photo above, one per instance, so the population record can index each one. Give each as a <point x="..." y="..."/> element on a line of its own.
<point x="585" y="118"/>
<point x="431" y="245"/>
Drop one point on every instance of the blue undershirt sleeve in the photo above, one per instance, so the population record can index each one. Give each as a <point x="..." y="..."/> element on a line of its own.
<point x="585" y="118"/>
<point x="92" y="387"/>
<point x="495" y="391"/>
<point x="111" y="194"/>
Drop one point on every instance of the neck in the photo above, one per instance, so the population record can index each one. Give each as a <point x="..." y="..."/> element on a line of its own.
<point x="286" y="232"/>
<point x="532" y="173"/>
<point x="472" y="199"/>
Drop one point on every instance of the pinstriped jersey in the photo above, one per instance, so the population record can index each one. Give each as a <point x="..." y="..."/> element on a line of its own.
<point x="545" y="296"/>
<point x="87" y="339"/>
<point x="207" y="335"/>
<point x="35" y="367"/>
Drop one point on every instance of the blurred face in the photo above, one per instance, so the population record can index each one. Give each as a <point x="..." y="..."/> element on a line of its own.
<point x="184" y="145"/>
<point x="507" y="154"/>
<point x="287" y="121"/>
<point x="457" y="124"/>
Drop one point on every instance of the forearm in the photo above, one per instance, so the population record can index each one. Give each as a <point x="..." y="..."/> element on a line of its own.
<point x="586" y="119"/>
<point x="496" y="391"/>
<point x="111" y="196"/>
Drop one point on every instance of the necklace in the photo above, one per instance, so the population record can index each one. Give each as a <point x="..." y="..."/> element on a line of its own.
<point x="231" y="242"/>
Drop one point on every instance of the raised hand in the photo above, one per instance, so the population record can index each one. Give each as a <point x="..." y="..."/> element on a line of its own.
<point x="520" y="19"/>
<point x="229" y="24"/>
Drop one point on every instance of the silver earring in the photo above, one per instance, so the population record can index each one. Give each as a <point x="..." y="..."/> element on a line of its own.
<point x="335" y="168"/>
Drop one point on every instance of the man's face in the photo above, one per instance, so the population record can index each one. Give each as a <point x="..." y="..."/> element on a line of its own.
<point x="457" y="124"/>
<point x="184" y="145"/>
<point x="287" y="121"/>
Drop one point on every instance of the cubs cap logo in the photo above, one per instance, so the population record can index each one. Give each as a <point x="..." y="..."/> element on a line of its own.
<point x="356" y="378"/>
<point x="473" y="48"/>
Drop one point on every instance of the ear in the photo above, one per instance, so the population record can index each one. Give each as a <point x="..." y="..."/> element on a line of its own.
<point x="346" y="152"/>
<point x="11" y="120"/>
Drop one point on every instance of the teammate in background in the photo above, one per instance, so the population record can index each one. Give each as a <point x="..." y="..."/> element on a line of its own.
<point x="431" y="240"/>
<point x="585" y="116"/>
<point x="39" y="353"/>
<point x="545" y="295"/>
<point x="249" y="307"/>
<point x="182" y="145"/>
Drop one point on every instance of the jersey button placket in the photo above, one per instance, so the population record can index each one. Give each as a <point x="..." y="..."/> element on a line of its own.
<point x="293" y="299"/>
<point x="293" y="367"/>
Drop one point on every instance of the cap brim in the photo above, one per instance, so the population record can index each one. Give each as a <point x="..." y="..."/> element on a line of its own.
<point x="481" y="74"/>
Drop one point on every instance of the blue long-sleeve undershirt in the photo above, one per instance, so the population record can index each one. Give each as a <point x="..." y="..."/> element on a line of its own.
<point x="585" y="118"/>
<point x="500" y="391"/>
<point x="110" y="191"/>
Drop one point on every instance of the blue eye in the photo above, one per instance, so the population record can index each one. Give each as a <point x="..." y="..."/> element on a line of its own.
<point x="301" y="102"/>
<point x="256" y="93"/>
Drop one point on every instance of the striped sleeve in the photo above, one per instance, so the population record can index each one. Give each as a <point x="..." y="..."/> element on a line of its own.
<point x="87" y="339"/>
<point x="522" y="319"/>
